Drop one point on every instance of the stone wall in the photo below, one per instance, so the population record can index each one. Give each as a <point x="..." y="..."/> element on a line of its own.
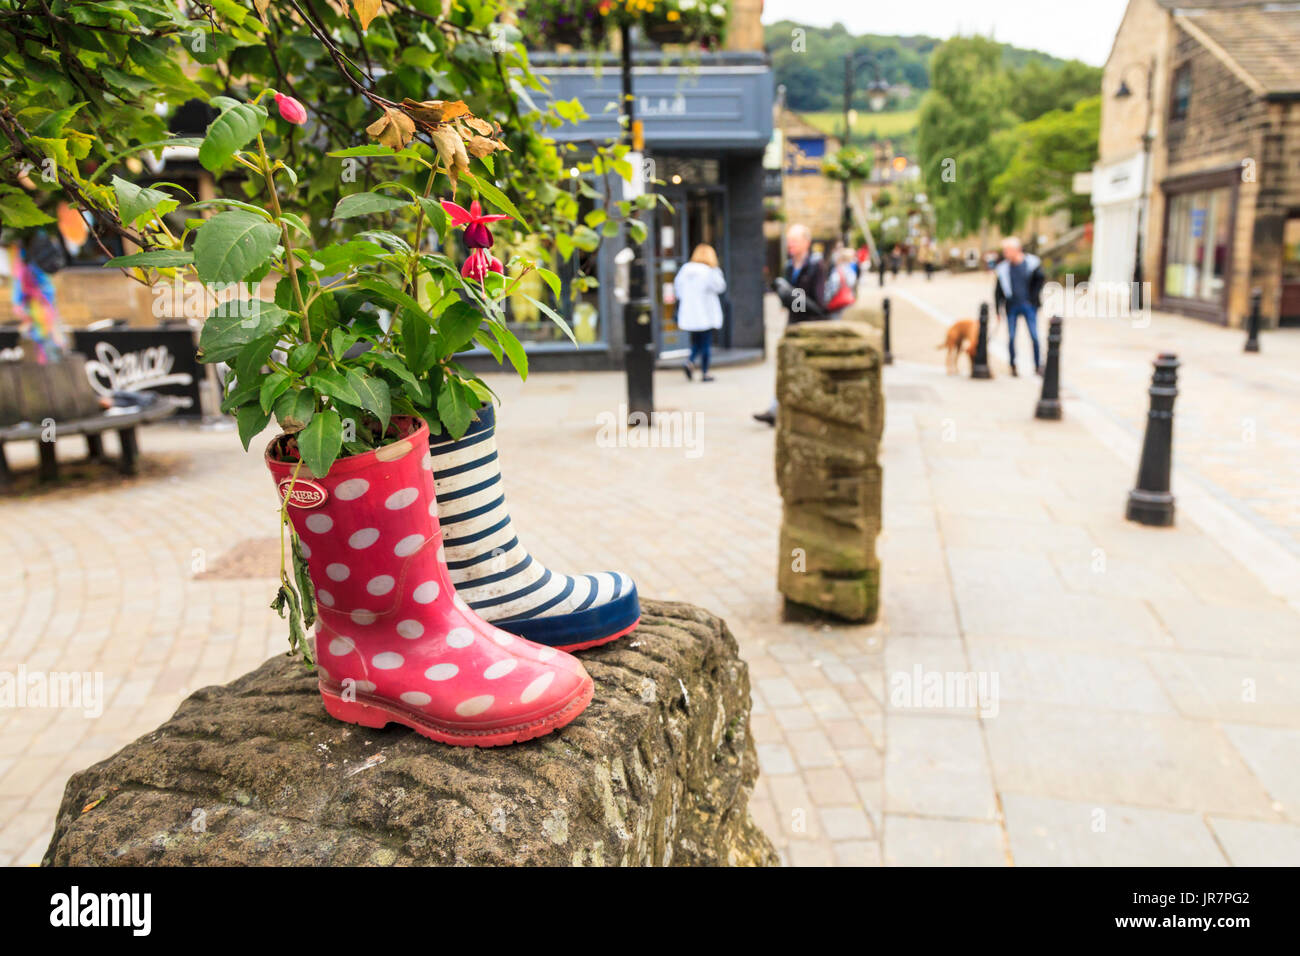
<point x="657" y="771"/>
<point x="832" y="413"/>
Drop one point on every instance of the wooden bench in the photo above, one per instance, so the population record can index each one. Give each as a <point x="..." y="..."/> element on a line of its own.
<point x="124" y="422"/>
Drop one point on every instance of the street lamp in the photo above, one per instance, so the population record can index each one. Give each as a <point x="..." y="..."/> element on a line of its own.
<point x="1123" y="93"/>
<point x="877" y="97"/>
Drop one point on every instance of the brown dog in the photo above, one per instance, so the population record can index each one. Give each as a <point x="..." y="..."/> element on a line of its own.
<point x="962" y="333"/>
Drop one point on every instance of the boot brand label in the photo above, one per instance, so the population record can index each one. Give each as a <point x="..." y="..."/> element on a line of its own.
<point x="306" y="494"/>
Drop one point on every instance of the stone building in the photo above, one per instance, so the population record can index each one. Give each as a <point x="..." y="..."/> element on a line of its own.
<point x="1196" y="190"/>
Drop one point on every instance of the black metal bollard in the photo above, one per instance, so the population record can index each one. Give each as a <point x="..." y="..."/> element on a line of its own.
<point x="889" y="355"/>
<point x="1151" y="503"/>
<point x="639" y="360"/>
<point x="1252" y="324"/>
<point x="1049" y="402"/>
<point x="882" y="270"/>
<point x="979" y="366"/>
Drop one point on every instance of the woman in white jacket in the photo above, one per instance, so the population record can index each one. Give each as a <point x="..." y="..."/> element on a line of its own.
<point x="699" y="311"/>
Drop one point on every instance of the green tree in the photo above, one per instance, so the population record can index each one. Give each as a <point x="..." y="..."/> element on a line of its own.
<point x="1038" y="88"/>
<point x="1044" y="154"/>
<point x="959" y="150"/>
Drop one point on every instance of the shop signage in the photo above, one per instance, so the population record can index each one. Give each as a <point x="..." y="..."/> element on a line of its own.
<point x="163" y="360"/>
<point x="804" y="157"/>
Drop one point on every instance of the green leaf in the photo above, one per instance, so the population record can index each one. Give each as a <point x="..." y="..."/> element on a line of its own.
<point x="251" y="421"/>
<point x="374" y="395"/>
<point x="416" y="339"/>
<point x="52" y="125"/>
<point x="18" y="210"/>
<point x="513" y="348"/>
<point x="234" y="203"/>
<point x="390" y="362"/>
<point x="554" y="317"/>
<point x="154" y="259"/>
<point x="320" y="442"/>
<point x="341" y="340"/>
<point x="456" y="328"/>
<point x="373" y="149"/>
<point x="303" y="355"/>
<point x="386" y="290"/>
<point x="232" y="245"/>
<point x="294" y="409"/>
<point x="330" y="382"/>
<point x="551" y="279"/>
<point x="224" y="336"/>
<point x="365" y="204"/>
<point x="252" y="357"/>
<point x="305" y="590"/>
<point x="134" y="202"/>
<point x="453" y="407"/>
<point x="437" y="215"/>
<point x="232" y="130"/>
<point x="273" y="386"/>
<point x="494" y="196"/>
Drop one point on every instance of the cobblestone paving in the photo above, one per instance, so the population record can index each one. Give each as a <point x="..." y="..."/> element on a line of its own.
<point x="1146" y="699"/>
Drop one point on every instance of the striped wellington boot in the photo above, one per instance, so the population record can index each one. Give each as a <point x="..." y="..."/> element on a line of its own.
<point x="394" y="643"/>
<point x="494" y="572"/>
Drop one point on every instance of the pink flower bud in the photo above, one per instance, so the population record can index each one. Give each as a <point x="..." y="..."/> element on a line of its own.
<point x="291" y="109"/>
<point x="478" y="235"/>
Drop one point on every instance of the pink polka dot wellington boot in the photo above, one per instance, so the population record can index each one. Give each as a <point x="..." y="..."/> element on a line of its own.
<point x="394" y="643"/>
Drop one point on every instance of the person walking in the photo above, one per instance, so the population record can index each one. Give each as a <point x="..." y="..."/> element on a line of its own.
<point x="841" y="284"/>
<point x="698" y="287"/>
<point x="1018" y="290"/>
<point x="801" y="289"/>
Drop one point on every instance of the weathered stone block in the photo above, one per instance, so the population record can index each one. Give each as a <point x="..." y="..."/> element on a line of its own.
<point x="827" y="447"/>
<point x="657" y="771"/>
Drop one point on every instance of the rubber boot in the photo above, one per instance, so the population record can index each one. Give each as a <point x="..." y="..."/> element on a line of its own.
<point x="394" y="643"/>
<point x="494" y="572"/>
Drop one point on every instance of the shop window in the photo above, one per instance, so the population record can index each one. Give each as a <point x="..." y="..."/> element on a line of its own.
<point x="1182" y="92"/>
<point x="1198" y="242"/>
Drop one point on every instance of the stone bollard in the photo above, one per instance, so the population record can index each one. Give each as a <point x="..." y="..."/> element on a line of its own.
<point x="979" y="366"/>
<point x="657" y="771"/>
<point x="827" y="445"/>
<point x="1252" y="325"/>
<point x="1151" y="503"/>
<point x="1049" y="402"/>
<point x="889" y="356"/>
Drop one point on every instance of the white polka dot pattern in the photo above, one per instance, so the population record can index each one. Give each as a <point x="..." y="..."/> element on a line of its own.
<point x="392" y="628"/>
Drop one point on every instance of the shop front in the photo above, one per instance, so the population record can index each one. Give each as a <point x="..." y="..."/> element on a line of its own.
<point x="1117" y="215"/>
<point x="706" y="124"/>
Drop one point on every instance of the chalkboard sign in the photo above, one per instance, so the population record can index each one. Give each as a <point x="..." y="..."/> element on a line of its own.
<point x="162" y="359"/>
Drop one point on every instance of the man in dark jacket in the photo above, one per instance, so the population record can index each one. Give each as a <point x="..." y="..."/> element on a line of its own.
<point x="800" y="289"/>
<point x="1019" y="290"/>
<point x="805" y="277"/>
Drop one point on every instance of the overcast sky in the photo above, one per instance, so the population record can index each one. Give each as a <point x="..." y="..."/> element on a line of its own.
<point x="1071" y="29"/>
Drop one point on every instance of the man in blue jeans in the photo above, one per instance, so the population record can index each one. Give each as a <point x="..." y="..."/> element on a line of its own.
<point x="1019" y="290"/>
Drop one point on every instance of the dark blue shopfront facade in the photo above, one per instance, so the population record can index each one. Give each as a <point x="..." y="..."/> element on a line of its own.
<point x="706" y="124"/>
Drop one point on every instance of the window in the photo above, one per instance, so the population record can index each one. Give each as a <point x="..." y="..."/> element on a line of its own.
<point x="1200" y="230"/>
<point x="1182" y="92"/>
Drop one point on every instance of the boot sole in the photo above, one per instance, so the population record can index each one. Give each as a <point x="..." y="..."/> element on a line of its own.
<point x="585" y="645"/>
<point x="376" y="713"/>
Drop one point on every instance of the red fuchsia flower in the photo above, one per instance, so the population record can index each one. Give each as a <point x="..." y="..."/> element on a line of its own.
<point x="291" y="109"/>
<point x="477" y="234"/>
<point x="480" y="263"/>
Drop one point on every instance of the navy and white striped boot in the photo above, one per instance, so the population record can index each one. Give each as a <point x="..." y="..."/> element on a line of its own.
<point x="494" y="572"/>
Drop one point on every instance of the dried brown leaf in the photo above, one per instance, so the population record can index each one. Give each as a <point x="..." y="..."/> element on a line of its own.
<point x="394" y="129"/>
<point x="434" y="112"/>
